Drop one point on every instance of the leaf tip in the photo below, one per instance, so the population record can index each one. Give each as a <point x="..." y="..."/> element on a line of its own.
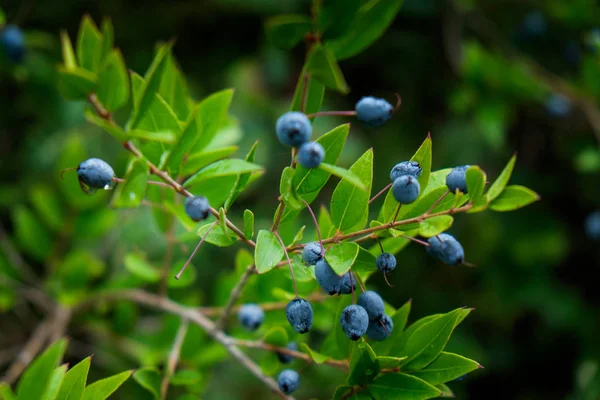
<point x="480" y="366"/>
<point x="429" y="135"/>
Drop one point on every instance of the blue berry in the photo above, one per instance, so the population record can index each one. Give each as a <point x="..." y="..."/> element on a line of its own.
<point x="373" y="304"/>
<point x="381" y="329"/>
<point x="251" y="316"/>
<point x="13" y="41"/>
<point x="327" y="278"/>
<point x="373" y="111"/>
<point x="288" y="381"/>
<point x="312" y="253"/>
<point x="311" y="154"/>
<point x="386" y="262"/>
<point x="406" y="189"/>
<point x="95" y="173"/>
<point x="592" y="225"/>
<point x="197" y="208"/>
<point x="348" y="284"/>
<point x="299" y="314"/>
<point x="446" y="249"/>
<point x="354" y="321"/>
<point x="286" y="358"/>
<point x="457" y="179"/>
<point x="558" y="105"/>
<point x="405" y="168"/>
<point x="293" y="129"/>
<point x="535" y="23"/>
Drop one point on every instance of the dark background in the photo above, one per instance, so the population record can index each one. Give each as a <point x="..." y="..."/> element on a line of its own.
<point x="471" y="73"/>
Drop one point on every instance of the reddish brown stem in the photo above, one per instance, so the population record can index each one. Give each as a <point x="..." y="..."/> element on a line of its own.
<point x="385" y="189"/>
<point x="195" y="250"/>
<point x="332" y="113"/>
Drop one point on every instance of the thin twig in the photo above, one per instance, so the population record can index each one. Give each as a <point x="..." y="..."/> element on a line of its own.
<point x="312" y="214"/>
<point x="289" y="261"/>
<point x="397" y="212"/>
<point x="332" y="113"/>
<point x="273" y="306"/>
<point x="438" y="201"/>
<point x="173" y="358"/>
<point x="189" y="260"/>
<point x="168" y="259"/>
<point x="415" y="240"/>
<point x="234" y="295"/>
<point x="380" y="193"/>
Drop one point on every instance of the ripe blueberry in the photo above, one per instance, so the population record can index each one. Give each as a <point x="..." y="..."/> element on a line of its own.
<point x="405" y="168"/>
<point x="457" y="179"/>
<point x="327" y="278"/>
<point x="299" y="314"/>
<point x="406" y="189"/>
<point x="293" y="129"/>
<point x="446" y="249"/>
<point x="312" y="253"/>
<point x="251" y="316"/>
<point x="381" y="329"/>
<point x="197" y="208"/>
<point x="288" y="381"/>
<point x="558" y="105"/>
<point x="13" y="41"/>
<point x="286" y="358"/>
<point x="348" y="284"/>
<point x="95" y="173"/>
<point x="592" y="225"/>
<point x="386" y="262"/>
<point x="311" y="155"/>
<point x="373" y="304"/>
<point x="373" y="111"/>
<point x="355" y="321"/>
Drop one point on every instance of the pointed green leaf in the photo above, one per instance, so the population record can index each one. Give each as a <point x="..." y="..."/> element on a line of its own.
<point x="212" y="112"/>
<point x="276" y="336"/>
<point x="36" y="379"/>
<point x="268" y="251"/>
<point x="426" y="343"/>
<point x="475" y="183"/>
<point x="364" y="365"/>
<point x="76" y="83"/>
<point x="341" y="256"/>
<point x="344" y="174"/>
<point x="445" y="368"/>
<point x="174" y="90"/>
<point x="337" y="16"/>
<point x="350" y="205"/>
<point x="74" y="382"/>
<point x="100" y="390"/>
<point x="201" y="159"/>
<point x="108" y="37"/>
<point x="68" y="53"/>
<point x="113" y="82"/>
<point x="286" y="31"/>
<point x="424" y="156"/>
<point x="399" y="318"/>
<point x="89" y="45"/>
<point x="402" y="387"/>
<point x="111" y="128"/>
<point x="269" y="363"/>
<point x="500" y="183"/>
<point x="153" y="136"/>
<point x="248" y="224"/>
<point x="217" y="236"/>
<point x="386" y="362"/>
<point x="399" y="345"/>
<point x="374" y="17"/>
<point x="286" y="189"/>
<point x="314" y="95"/>
<point x="322" y="66"/>
<point x="318" y="358"/>
<point x="56" y="380"/>
<point x="31" y="235"/>
<point x="514" y="197"/>
<point x="299" y="235"/>
<point x="242" y="179"/>
<point x="131" y="193"/>
<point x="6" y="392"/>
<point x="435" y="225"/>
<point x="222" y="168"/>
<point x="141" y="268"/>
<point x="446" y="391"/>
<point x="150" y="379"/>
<point x="325" y="224"/>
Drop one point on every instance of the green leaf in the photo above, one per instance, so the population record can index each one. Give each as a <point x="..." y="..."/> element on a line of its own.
<point x="475" y="183"/>
<point x="276" y="336"/>
<point x="212" y="112"/>
<point x="350" y="206"/>
<point x="446" y="391"/>
<point x="424" y="156"/>
<point x="344" y="392"/>
<point x="153" y="136"/>
<point x="185" y="377"/>
<point x="325" y="223"/>
<point x="74" y="382"/>
<point x="148" y="91"/>
<point x="426" y="343"/>
<point x="68" y="53"/>
<point x="286" y="31"/>
<point x="204" y="158"/>
<point x="36" y="378"/>
<point x="56" y="380"/>
<point x="435" y="225"/>
<point x="242" y="180"/>
<point x="399" y="318"/>
<point x="337" y="16"/>
<point x="299" y="235"/>
<point x="514" y="197"/>
<point x="150" y="379"/>
<point x="268" y="251"/>
<point x="100" y="390"/>
<point x="364" y="365"/>
<point x="373" y="18"/>
<point x="217" y="236"/>
<point x="111" y="128"/>
<point x="445" y="368"/>
<point x="269" y="363"/>
<point x="341" y="256"/>
<point x="322" y="66"/>
<point x="286" y="189"/>
<point x="223" y="219"/>
<point x="76" y="83"/>
<point x="89" y="45"/>
<point x="248" y="224"/>
<point x="344" y="174"/>
<point x="30" y="234"/>
<point x="314" y="95"/>
<point x="500" y="183"/>
<point x="221" y="168"/>
<point x="48" y="206"/>
<point x="141" y="268"/>
<point x="402" y="387"/>
<point x="317" y="358"/>
<point x="399" y="344"/>
<point x="174" y="90"/>
<point x="386" y="362"/>
<point x="131" y="193"/>
<point x="337" y="344"/>
<point x="6" y="392"/>
<point x="113" y="82"/>
<point x="364" y="264"/>
<point x="108" y="37"/>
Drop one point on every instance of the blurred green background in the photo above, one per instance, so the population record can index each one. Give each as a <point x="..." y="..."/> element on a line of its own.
<point x="479" y="75"/>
